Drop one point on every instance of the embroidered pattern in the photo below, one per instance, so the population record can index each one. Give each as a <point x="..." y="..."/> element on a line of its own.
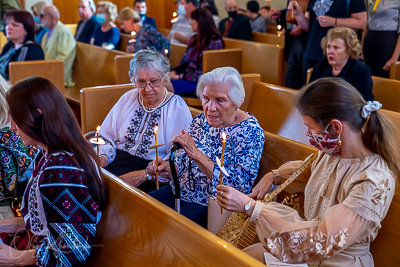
<point x="380" y="193"/>
<point x="148" y="135"/>
<point x="321" y="7"/>
<point x="133" y="129"/>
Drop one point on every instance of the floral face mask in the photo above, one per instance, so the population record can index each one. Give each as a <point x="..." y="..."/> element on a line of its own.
<point x="323" y="143"/>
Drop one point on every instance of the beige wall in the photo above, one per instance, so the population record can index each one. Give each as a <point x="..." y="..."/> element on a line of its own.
<point x="277" y="4"/>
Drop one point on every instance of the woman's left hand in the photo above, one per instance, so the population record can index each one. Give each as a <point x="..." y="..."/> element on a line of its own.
<point x="187" y="143"/>
<point x="231" y="199"/>
<point x="12" y="257"/>
<point x="387" y="65"/>
<point x="326" y="21"/>
<point x="134" y="178"/>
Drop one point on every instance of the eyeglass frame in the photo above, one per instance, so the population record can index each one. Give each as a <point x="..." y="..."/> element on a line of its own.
<point x="150" y="83"/>
<point x="42" y="15"/>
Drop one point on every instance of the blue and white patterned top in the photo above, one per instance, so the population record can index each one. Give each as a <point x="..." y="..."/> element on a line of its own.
<point x="243" y="148"/>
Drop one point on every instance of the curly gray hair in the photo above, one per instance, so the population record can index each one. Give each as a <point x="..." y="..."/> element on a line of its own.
<point x="149" y="59"/>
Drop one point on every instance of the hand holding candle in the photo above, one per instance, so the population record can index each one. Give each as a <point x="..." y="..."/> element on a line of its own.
<point x="155" y="137"/>
<point x="222" y="157"/>
<point x="166" y="52"/>
<point x="174" y="17"/>
<point x="133" y="34"/>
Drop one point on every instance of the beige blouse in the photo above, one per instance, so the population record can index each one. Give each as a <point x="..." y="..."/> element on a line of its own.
<point x="345" y="201"/>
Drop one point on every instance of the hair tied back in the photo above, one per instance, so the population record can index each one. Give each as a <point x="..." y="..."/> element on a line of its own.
<point x="371" y="106"/>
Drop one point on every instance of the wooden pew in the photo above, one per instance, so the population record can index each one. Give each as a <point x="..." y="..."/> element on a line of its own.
<point x="137" y="229"/>
<point x="72" y="27"/>
<point x="121" y="68"/>
<point x="387" y="91"/>
<point x="266" y="59"/>
<point x="268" y="38"/>
<point x="395" y="70"/>
<point x="164" y="31"/>
<point x="176" y="56"/>
<point x="213" y="59"/>
<point x="3" y="40"/>
<point x="50" y="69"/>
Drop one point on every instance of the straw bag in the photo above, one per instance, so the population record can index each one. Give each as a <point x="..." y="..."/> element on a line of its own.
<point x="239" y="231"/>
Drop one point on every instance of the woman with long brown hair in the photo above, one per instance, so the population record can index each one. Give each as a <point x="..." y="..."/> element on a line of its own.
<point x="65" y="196"/>
<point x="184" y="77"/>
<point x="348" y="191"/>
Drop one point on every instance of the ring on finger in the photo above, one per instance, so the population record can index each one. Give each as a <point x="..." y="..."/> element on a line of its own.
<point x="221" y="193"/>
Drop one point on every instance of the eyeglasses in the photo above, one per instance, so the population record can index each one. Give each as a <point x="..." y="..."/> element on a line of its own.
<point x="152" y="83"/>
<point x="82" y="6"/>
<point x="42" y="15"/>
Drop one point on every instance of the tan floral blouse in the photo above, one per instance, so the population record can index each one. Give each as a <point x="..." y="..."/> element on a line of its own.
<point x="345" y="201"/>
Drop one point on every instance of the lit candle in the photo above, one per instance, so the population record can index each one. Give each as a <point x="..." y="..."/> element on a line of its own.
<point x="174" y="14"/>
<point x="133" y="34"/>
<point x="155" y="138"/>
<point x="97" y="139"/>
<point x="166" y="52"/>
<point x="279" y="27"/>
<point x="222" y="158"/>
<point x="174" y="17"/>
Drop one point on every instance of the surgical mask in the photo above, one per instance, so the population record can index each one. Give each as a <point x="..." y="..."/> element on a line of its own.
<point x="232" y="14"/>
<point x="101" y="18"/>
<point x="37" y="20"/>
<point x="142" y="14"/>
<point x="323" y="143"/>
<point x="181" y="10"/>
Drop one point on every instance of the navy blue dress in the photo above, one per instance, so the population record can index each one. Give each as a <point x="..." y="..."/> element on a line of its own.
<point x="110" y="37"/>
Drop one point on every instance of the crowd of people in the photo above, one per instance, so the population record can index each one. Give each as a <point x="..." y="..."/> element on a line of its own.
<point x="347" y="192"/>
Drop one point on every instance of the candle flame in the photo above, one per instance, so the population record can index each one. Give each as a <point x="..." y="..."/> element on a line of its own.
<point x="174" y="14"/>
<point x="223" y="135"/>
<point x="133" y="33"/>
<point x="279" y="27"/>
<point x="98" y="128"/>
<point x="166" y="51"/>
<point x="155" y="129"/>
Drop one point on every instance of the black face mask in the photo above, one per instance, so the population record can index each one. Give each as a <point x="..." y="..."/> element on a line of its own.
<point x="232" y="14"/>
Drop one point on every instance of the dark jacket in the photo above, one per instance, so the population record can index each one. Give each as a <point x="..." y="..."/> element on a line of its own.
<point x="240" y="28"/>
<point x="150" y="21"/>
<point x="91" y="26"/>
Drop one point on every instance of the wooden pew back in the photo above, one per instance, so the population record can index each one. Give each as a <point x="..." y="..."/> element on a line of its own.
<point x="395" y="70"/>
<point x="123" y="42"/>
<point x="268" y="38"/>
<point x="176" y="56"/>
<point x="50" y="69"/>
<point x="213" y="59"/>
<point x="137" y="229"/>
<point x="266" y="59"/>
<point x="121" y="68"/>
<point x="3" y="40"/>
<point x="387" y="91"/>
<point x="72" y="27"/>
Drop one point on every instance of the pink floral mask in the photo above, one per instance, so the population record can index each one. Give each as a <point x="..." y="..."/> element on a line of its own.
<point x="323" y="143"/>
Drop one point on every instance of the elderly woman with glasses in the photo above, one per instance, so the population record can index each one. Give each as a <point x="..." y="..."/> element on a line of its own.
<point x="129" y="127"/>
<point x="222" y="93"/>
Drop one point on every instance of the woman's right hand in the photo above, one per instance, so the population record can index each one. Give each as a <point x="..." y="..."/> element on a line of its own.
<point x="261" y="189"/>
<point x="103" y="161"/>
<point x="293" y="5"/>
<point x="163" y="168"/>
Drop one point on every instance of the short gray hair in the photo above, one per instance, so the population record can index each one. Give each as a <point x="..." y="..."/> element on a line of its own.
<point x="227" y="76"/>
<point x="53" y="10"/>
<point x="92" y="5"/>
<point x="149" y="59"/>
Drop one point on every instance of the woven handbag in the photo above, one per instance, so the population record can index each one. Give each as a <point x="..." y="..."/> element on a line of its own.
<point x="239" y="231"/>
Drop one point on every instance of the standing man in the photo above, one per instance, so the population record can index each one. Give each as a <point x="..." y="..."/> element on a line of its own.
<point x="236" y="25"/>
<point x="140" y="7"/>
<point x="181" y="32"/>
<point x="257" y="22"/>
<point x="88" y="23"/>
<point x="58" y="43"/>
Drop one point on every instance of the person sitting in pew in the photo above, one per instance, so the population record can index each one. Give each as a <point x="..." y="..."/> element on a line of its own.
<point x="106" y="36"/>
<point x="222" y="93"/>
<point x="236" y="26"/>
<point x="58" y="43"/>
<point x="257" y="22"/>
<point x="343" y="52"/>
<point x="65" y="196"/>
<point x="185" y="76"/>
<point x="146" y="36"/>
<point x="88" y="23"/>
<point x="347" y="192"/>
<point x="140" y="6"/>
<point x="129" y="127"/>
<point x="40" y="31"/>
<point x="181" y="31"/>
<point x="20" y="30"/>
<point x="210" y="5"/>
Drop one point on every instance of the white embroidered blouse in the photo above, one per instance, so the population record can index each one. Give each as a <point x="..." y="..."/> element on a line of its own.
<point x="130" y="128"/>
<point x="345" y="201"/>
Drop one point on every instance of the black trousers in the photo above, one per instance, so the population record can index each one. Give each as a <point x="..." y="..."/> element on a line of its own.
<point x="125" y="163"/>
<point x="294" y="65"/>
<point x="378" y="49"/>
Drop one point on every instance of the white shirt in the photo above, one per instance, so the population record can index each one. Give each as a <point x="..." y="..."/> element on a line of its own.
<point x="183" y="27"/>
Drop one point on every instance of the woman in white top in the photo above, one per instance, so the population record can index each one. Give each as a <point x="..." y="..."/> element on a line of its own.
<point x="129" y="127"/>
<point x="347" y="193"/>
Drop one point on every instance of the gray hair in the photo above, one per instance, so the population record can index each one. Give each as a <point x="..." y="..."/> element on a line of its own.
<point x="149" y="59"/>
<point x="53" y="10"/>
<point x="110" y="8"/>
<point x="4" y="117"/>
<point x="92" y="5"/>
<point x="227" y="76"/>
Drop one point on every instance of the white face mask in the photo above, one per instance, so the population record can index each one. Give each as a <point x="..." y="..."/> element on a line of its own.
<point x="181" y="10"/>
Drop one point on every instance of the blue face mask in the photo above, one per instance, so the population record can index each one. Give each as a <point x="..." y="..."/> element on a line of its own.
<point x="101" y="18"/>
<point x="37" y="20"/>
<point x="181" y="10"/>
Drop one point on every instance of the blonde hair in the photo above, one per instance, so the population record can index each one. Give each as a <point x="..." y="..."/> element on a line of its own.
<point x="127" y="13"/>
<point x="37" y="8"/>
<point x="349" y="37"/>
<point x="4" y="117"/>
<point x="110" y="8"/>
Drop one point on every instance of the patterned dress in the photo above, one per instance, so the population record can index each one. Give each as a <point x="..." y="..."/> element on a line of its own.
<point x="59" y="211"/>
<point x="244" y="145"/>
<point x="149" y="38"/>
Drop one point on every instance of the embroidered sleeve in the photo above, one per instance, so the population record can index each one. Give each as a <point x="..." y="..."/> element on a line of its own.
<point x="242" y="160"/>
<point x="71" y="215"/>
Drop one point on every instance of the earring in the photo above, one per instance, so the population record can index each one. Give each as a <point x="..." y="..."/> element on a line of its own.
<point x="339" y="142"/>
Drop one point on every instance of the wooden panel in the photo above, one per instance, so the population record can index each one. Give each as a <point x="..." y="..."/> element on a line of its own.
<point x="395" y="70"/>
<point x="164" y="31"/>
<point x="72" y="27"/>
<point x="248" y="82"/>
<point x="309" y="71"/>
<point x="176" y="56"/>
<point x="3" y="40"/>
<point x="124" y="42"/>
<point x="137" y="229"/>
<point x="121" y="68"/>
<point x="50" y="69"/>
<point x="222" y="58"/>
<point x="387" y="91"/>
<point x="266" y="59"/>
<point x="268" y="38"/>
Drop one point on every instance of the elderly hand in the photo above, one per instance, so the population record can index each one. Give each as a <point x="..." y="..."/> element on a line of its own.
<point x="12" y="257"/>
<point x="188" y="144"/>
<point x="163" y="168"/>
<point x="275" y="14"/>
<point x="134" y="178"/>
<point x="231" y="199"/>
<point x="388" y="64"/>
<point x="263" y="186"/>
<point x="130" y="49"/>
<point x="103" y="161"/>
<point x="173" y="75"/>
<point x="326" y="21"/>
<point x="296" y="31"/>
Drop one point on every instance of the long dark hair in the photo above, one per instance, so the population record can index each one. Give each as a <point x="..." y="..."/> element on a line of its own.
<point x="26" y="19"/>
<point x="333" y="98"/>
<point x="206" y="29"/>
<point x="54" y="125"/>
<point x="211" y="6"/>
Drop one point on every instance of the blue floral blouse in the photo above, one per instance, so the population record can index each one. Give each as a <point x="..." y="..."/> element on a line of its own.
<point x="244" y="145"/>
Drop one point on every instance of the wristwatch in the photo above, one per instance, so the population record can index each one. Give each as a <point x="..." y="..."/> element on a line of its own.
<point x="248" y="206"/>
<point x="148" y="176"/>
